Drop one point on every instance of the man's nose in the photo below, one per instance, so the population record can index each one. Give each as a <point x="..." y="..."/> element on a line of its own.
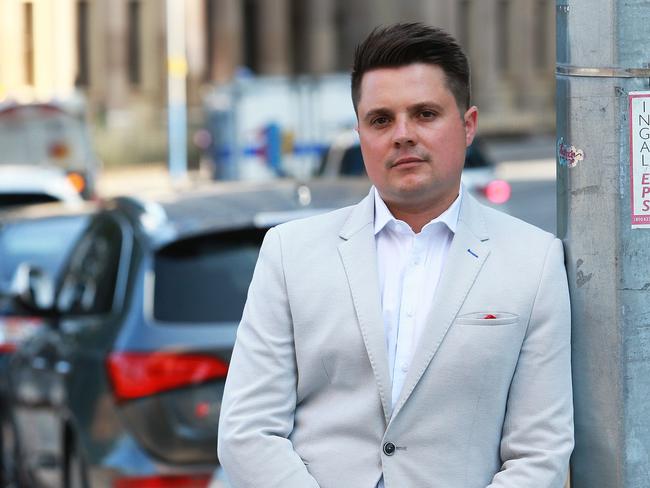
<point x="403" y="132"/>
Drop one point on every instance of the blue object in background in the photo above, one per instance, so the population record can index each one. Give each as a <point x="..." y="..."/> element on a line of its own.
<point x="273" y="147"/>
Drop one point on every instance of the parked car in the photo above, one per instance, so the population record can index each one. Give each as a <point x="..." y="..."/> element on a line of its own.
<point x="45" y="138"/>
<point x="124" y="388"/>
<point x="23" y="185"/>
<point x="344" y="158"/>
<point x="42" y="235"/>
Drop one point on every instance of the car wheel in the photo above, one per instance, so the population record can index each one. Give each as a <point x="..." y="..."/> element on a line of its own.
<point x="8" y="470"/>
<point x="75" y="469"/>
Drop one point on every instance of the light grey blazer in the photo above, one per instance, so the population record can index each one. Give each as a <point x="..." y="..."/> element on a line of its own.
<point x="487" y="402"/>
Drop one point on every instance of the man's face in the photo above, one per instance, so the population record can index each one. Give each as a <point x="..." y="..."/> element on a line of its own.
<point x="413" y="137"/>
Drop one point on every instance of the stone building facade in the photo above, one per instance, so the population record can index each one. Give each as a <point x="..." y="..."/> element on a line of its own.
<point x="113" y="53"/>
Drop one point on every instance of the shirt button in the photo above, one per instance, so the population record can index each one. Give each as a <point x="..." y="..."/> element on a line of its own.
<point x="405" y="367"/>
<point x="409" y="312"/>
<point x="389" y="448"/>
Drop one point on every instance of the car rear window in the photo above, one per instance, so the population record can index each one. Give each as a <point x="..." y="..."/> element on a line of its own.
<point x="17" y="199"/>
<point x="44" y="243"/>
<point x="205" y="279"/>
<point x="42" y="135"/>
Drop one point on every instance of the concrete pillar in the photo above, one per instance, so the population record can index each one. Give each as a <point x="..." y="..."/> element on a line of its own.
<point x="196" y="48"/>
<point x="522" y="53"/>
<point x="116" y="88"/>
<point x="274" y="47"/>
<point x="320" y="36"/>
<point x="482" y="51"/>
<point x="441" y="14"/>
<point x="153" y="62"/>
<point x="12" y="48"/>
<point x="545" y="76"/>
<point x="408" y="11"/>
<point x="55" y="48"/>
<point x="357" y="22"/>
<point x="227" y="45"/>
<point x="601" y="60"/>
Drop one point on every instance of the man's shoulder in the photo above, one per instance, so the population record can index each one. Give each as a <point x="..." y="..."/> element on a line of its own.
<point x="515" y="237"/>
<point x="501" y="222"/>
<point x="321" y="224"/>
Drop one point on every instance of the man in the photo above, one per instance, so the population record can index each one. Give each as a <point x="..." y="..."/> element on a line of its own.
<point x="417" y="339"/>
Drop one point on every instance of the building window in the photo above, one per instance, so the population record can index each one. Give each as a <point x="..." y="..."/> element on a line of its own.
<point x="133" y="54"/>
<point x="503" y="36"/>
<point x="83" y="44"/>
<point x="28" y="41"/>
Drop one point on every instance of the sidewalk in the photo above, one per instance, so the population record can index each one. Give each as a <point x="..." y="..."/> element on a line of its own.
<point x="130" y="180"/>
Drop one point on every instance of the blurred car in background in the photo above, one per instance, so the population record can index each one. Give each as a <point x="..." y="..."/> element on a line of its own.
<point x="22" y="185"/>
<point x="124" y="389"/>
<point x="344" y="158"/>
<point x="42" y="235"/>
<point x="47" y="138"/>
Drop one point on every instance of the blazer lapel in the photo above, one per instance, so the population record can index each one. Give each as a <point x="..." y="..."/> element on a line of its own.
<point x="467" y="253"/>
<point x="359" y="255"/>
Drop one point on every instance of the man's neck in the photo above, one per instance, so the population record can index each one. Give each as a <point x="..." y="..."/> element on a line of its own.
<point x="417" y="217"/>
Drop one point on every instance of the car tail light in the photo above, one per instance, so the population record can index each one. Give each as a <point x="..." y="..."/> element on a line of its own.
<point x="59" y="150"/>
<point x="6" y="348"/>
<point x="497" y="191"/>
<point x="15" y="330"/>
<point x="78" y="181"/>
<point x="161" y="481"/>
<point x="136" y="374"/>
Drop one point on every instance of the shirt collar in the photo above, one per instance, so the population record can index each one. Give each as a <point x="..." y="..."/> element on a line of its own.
<point x="383" y="216"/>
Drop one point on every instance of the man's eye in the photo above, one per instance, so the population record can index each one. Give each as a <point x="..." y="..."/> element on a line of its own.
<point x="427" y="114"/>
<point x="379" y="121"/>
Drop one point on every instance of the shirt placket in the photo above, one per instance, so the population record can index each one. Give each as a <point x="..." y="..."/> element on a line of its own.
<point x="408" y="313"/>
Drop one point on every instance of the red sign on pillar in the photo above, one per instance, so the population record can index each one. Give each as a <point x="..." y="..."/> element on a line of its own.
<point x="640" y="159"/>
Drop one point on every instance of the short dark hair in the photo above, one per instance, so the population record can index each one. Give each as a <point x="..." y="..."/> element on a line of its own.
<point x="402" y="44"/>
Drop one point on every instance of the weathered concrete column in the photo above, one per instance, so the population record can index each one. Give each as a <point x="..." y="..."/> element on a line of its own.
<point x="115" y="70"/>
<point x="228" y="41"/>
<point x="320" y="34"/>
<point x="357" y="23"/>
<point x="54" y="48"/>
<point x="482" y="50"/>
<point x="196" y="49"/>
<point x="602" y="57"/>
<point x="441" y="14"/>
<point x="12" y="59"/>
<point x="521" y="52"/>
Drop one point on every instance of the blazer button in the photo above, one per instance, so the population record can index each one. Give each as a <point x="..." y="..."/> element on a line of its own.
<point x="389" y="448"/>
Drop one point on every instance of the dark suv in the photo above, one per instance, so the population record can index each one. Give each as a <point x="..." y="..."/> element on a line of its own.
<point x="124" y="389"/>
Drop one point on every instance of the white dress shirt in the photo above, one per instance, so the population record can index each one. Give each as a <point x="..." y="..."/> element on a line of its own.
<point x="409" y="266"/>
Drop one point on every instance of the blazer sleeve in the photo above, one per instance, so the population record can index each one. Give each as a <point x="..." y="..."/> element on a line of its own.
<point x="537" y="438"/>
<point x="259" y="400"/>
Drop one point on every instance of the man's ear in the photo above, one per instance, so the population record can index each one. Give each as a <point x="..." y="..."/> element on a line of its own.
<point x="470" y="120"/>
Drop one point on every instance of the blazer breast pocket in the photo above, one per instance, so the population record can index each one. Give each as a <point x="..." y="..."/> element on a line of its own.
<point x="488" y="319"/>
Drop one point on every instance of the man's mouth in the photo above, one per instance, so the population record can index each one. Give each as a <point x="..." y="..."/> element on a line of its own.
<point x="407" y="160"/>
